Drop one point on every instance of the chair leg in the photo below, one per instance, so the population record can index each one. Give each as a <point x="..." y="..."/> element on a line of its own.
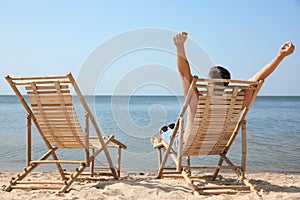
<point x="27" y="170"/>
<point x="188" y="160"/>
<point x="159" y="153"/>
<point x="92" y="163"/>
<point x="167" y="152"/>
<point x="163" y="162"/>
<point x="28" y="139"/>
<point x="19" y="177"/>
<point x="72" y="178"/>
<point x="186" y="176"/>
<point x="108" y="158"/>
<point x="235" y="169"/>
<point x="59" y="167"/>
<point x="215" y="174"/>
<point x="244" y="146"/>
<point x="119" y="162"/>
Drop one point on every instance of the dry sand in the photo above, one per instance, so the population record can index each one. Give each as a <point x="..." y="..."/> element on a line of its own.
<point x="146" y="186"/>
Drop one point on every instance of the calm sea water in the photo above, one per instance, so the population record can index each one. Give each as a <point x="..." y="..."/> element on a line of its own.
<point x="273" y="131"/>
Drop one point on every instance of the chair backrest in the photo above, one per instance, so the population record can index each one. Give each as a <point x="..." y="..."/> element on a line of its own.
<point x="218" y="116"/>
<point x="51" y="108"/>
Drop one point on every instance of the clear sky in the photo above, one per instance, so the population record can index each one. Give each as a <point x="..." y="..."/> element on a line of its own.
<point x="53" y="37"/>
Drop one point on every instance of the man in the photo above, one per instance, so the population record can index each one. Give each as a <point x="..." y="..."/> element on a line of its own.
<point x="215" y="72"/>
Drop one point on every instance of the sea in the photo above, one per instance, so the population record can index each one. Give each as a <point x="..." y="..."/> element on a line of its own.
<point x="273" y="132"/>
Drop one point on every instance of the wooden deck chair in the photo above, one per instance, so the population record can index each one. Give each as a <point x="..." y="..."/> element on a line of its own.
<point x="49" y="105"/>
<point x="219" y="117"/>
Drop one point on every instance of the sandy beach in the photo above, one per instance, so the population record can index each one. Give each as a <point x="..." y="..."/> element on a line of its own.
<point x="144" y="185"/>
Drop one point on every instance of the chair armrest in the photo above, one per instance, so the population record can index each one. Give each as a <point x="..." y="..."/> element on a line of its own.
<point x="159" y="145"/>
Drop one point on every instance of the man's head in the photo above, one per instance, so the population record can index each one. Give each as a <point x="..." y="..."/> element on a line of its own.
<point x="219" y="72"/>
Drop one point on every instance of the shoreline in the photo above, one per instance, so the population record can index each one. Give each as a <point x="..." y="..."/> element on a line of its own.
<point x="141" y="185"/>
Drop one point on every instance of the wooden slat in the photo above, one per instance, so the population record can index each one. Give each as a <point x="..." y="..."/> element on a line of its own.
<point x="46" y="87"/>
<point x="55" y="115"/>
<point x="33" y="99"/>
<point x="48" y="92"/>
<point x="56" y="112"/>
<point x="200" y="113"/>
<point x="52" y="109"/>
<point x="38" y="77"/>
<point x="62" y="133"/>
<point x="239" y="97"/>
<point x="70" y="140"/>
<point x="226" y="93"/>
<point x="50" y="96"/>
<point x="70" y="113"/>
<point x="52" y="105"/>
<point x="50" y="101"/>
<point x="67" y="135"/>
<point x="243" y="82"/>
<point x="62" y="126"/>
<point x="219" y="107"/>
<point x="59" y="124"/>
<point x="39" y="82"/>
<point x="54" y="120"/>
<point x="58" y="118"/>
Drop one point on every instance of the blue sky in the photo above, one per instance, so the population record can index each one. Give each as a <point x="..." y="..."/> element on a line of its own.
<point x="56" y="37"/>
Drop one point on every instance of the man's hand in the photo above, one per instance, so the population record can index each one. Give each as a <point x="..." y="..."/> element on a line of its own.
<point x="286" y="49"/>
<point x="180" y="38"/>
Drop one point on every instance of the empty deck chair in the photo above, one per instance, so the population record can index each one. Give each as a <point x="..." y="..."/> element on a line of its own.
<point x="219" y="117"/>
<point x="49" y="105"/>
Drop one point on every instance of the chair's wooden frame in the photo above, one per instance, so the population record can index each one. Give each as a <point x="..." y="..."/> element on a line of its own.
<point x="221" y="146"/>
<point x="59" y="128"/>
